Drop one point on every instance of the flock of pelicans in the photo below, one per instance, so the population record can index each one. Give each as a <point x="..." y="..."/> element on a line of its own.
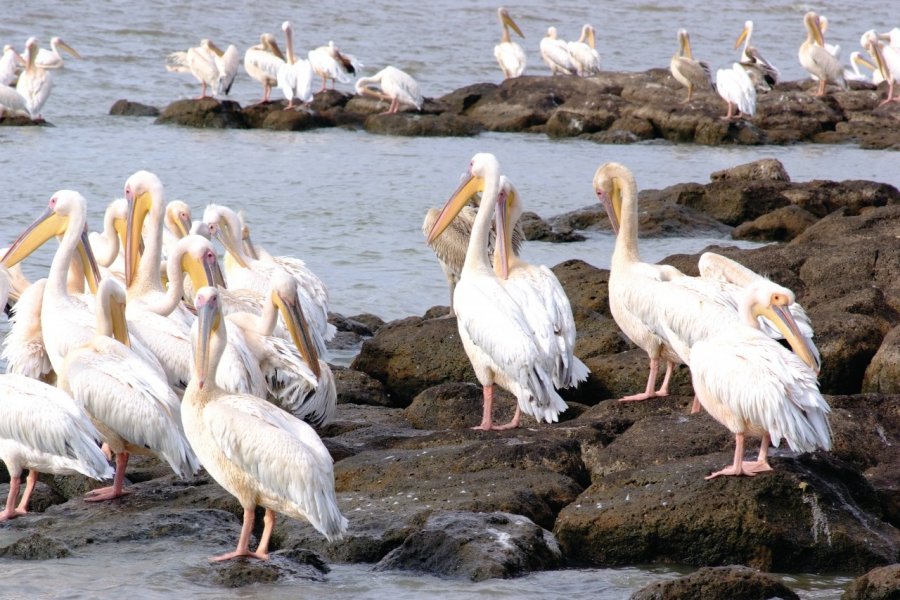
<point x="169" y="354"/>
<point x="26" y="80"/>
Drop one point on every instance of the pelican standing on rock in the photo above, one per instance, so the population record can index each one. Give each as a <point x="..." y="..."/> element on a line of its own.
<point x="509" y="54"/>
<point x="262" y="62"/>
<point x="817" y="61"/>
<point x="211" y="66"/>
<point x="887" y="58"/>
<point x="34" y="83"/>
<point x="10" y="63"/>
<point x="396" y="86"/>
<point x="763" y="73"/>
<point x="692" y="74"/>
<point x="258" y="452"/>
<point x="328" y="62"/>
<point x="583" y="54"/>
<point x="736" y="88"/>
<point x="295" y="75"/>
<point x="555" y="53"/>
<point x="753" y="385"/>
<point x="495" y="333"/>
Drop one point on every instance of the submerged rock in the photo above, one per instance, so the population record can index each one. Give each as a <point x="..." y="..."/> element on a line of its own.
<point x="733" y="582"/>
<point x="205" y="113"/>
<point x="133" y="109"/>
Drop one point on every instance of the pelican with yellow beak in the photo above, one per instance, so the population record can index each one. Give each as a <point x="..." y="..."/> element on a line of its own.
<point x="763" y="73"/>
<point x="583" y="53"/>
<point x="493" y="327"/>
<point x="35" y="82"/>
<point x="692" y="74"/>
<point x="754" y="386"/>
<point x="52" y="59"/>
<point x="887" y="59"/>
<point x="817" y="61"/>
<point x="510" y="55"/>
<point x="263" y="61"/>
<point x="258" y="452"/>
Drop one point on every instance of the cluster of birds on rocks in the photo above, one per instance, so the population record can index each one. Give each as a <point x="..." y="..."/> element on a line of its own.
<point x="27" y="79"/>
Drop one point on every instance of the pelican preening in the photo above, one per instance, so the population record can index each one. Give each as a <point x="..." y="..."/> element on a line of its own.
<point x="258" y="452"/>
<point x="396" y="86"/>
<point x="509" y="54"/>
<point x="555" y="53"/>
<point x="328" y="62"/>
<point x="887" y="58"/>
<point x="736" y="88"/>
<point x="262" y="62"/>
<point x="10" y="63"/>
<point x="583" y="54"/>
<point x="295" y="75"/>
<point x="763" y="73"/>
<point x="210" y="65"/>
<point x="816" y="59"/>
<point x="494" y="330"/>
<point x="692" y="74"/>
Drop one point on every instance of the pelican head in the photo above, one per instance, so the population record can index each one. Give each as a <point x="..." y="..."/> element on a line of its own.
<point x="871" y="43"/>
<point x="480" y="166"/>
<point x="551" y="33"/>
<point x="195" y="255"/>
<point x="745" y="34"/>
<point x="814" y="31"/>
<point x="269" y="43"/>
<point x="509" y="209"/>
<point x="283" y="289"/>
<point x="206" y="333"/>
<point x="31" y="51"/>
<point x="58" y="42"/>
<point x="178" y="218"/>
<point x="143" y="192"/>
<point x="770" y="300"/>
<point x="507" y="21"/>
<point x="587" y="34"/>
<point x="684" y="42"/>
<point x="225" y="226"/>
<point x="609" y="181"/>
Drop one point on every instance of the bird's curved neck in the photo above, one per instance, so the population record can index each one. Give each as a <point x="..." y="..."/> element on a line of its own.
<point x="57" y="278"/>
<point x="168" y="299"/>
<point x="626" y="248"/>
<point x="105" y="244"/>
<point x="147" y="277"/>
<point x="265" y="323"/>
<point x="504" y="37"/>
<point x="289" y="46"/>
<point x="477" y="252"/>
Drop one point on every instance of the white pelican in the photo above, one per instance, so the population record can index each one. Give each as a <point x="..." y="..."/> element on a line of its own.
<point x="583" y="54"/>
<point x="833" y="49"/>
<point x="555" y="53"/>
<point x="762" y="72"/>
<point x="258" y="452"/>
<point x="736" y="88"/>
<point x="539" y="293"/>
<point x="816" y="59"/>
<point x="23" y="346"/>
<point x="298" y="381"/>
<point x="692" y="74"/>
<point x="330" y="63"/>
<point x="262" y="62"/>
<point x="295" y="76"/>
<point x="396" y="86"/>
<point x="753" y="385"/>
<point x="495" y="333"/>
<point x="34" y="82"/>
<point x="106" y="244"/>
<point x="509" y="54"/>
<point x="853" y="73"/>
<point x="201" y="62"/>
<point x="128" y="400"/>
<point x="888" y="60"/>
<point x="255" y="275"/>
<point x="12" y="102"/>
<point x="10" y="63"/>
<point x="52" y="59"/>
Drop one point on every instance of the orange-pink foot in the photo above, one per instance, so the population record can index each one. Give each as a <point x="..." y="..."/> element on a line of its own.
<point x="511" y="425"/>
<point x="753" y="467"/>
<point x="729" y="470"/>
<point x="105" y="493"/>
<point x="238" y="554"/>
<point x="6" y="515"/>
<point x="638" y="397"/>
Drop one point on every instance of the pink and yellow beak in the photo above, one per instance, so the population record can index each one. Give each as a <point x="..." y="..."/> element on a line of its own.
<point x="505" y="199"/>
<point x="88" y="262"/>
<point x="742" y="37"/>
<point x="204" y="271"/>
<point x="48" y="225"/>
<point x="778" y="313"/>
<point x="469" y="187"/>
<point x="292" y="313"/>
<point x="138" y="208"/>
<point x="507" y="20"/>
<point x="209" y="320"/>
<point x="223" y="233"/>
<point x="612" y="202"/>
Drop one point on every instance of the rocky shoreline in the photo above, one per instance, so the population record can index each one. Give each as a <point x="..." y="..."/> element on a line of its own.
<point x="612" y="483"/>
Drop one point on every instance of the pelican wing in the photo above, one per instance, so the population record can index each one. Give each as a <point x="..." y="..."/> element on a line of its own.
<point x="227" y="65"/>
<point x="511" y="58"/>
<point x="556" y="54"/>
<point x="11" y="100"/>
<point x="736" y="87"/>
<point x="295" y="80"/>
<point x="585" y="58"/>
<point x="23" y="346"/>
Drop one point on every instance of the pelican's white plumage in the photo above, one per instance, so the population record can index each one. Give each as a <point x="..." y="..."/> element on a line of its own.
<point x="35" y="83"/>
<point x="256" y="451"/>
<point x="510" y="55"/>
<point x="263" y="61"/>
<point x="12" y="102"/>
<point x="328" y="62"/>
<point x="817" y="61"/>
<point x="10" y="63"/>
<point x="397" y="86"/>
<point x="887" y="58"/>
<point x="583" y="54"/>
<point x="495" y="333"/>
<point x="692" y="74"/>
<point x="555" y="53"/>
<point x="23" y="346"/>
<point x="763" y="73"/>
<point x="753" y="385"/>
<point x="736" y="88"/>
<point x="199" y="61"/>
<point x="52" y="59"/>
<point x="296" y="75"/>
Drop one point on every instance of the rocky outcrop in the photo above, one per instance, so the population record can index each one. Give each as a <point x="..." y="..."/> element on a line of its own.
<point x="734" y="583"/>
<point x="125" y="108"/>
<point x="882" y="583"/>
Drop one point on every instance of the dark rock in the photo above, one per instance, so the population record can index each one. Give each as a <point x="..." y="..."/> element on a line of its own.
<point x="733" y="582"/>
<point x="821" y="198"/>
<point x="133" y="109"/>
<point x="354" y="324"/>
<point x="768" y="169"/>
<point x="882" y="583"/>
<point x="456" y="406"/>
<point x="295" y="119"/>
<point x="414" y="124"/>
<point x="372" y="322"/>
<point x="8" y="120"/>
<point x="356" y="387"/>
<point x="281" y="566"/>
<point x="205" y="113"/>
<point x="36" y="546"/>
<point x="780" y="225"/>
<point x="536" y="229"/>
<point x="734" y="203"/>
<point x="475" y="546"/>
<point x="882" y="374"/>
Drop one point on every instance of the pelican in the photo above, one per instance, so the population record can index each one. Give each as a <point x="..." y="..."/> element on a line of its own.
<point x="555" y="53"/>
<point x="34" y="83"/>
<point x="262" y="62"/>
<point x="178" y="223"/>
<point x="396" y="86"/>
<point x="833" y="49"/>
<point x="209" y="65"/>
<point x="539" y="293"/>
<point x="12" y="102"/>
<point x="692" y="74"/>
<point x="495" y="333"/>
<point x="258" y="452"/>
<point x="52" y="59"/>
<point x="330" y="63"/>
<point x="857" y="60"/>
<point x="10" y="63"/>
<point x="255" y="275"/>
<point x="736" y="88"/>
<point x="888" y="60"/>
<point x="816" y="59"/>
<point x="763" y="73"/>
<point x="127" y="399"/>
<point x="753" y="385"/>
<point x="509" y="54"/>
<point x="23" y="347"/>
<point x="583" y="54"/>
<point x="295" y="76"/>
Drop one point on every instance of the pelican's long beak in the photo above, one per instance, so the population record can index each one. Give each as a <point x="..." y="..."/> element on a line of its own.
<point x="68" y="48"/>
<point x="209" y="318"/>
<point x="119" y="324"/>
<point x="858" y="59"/>
<point x="88" y="263"/>
<point x="504" y="232"/>
<point x="46" y="226"/>
<point x="507" y="20"/>
<point x="274" y="49"/>
<point x="590" y="37"/>
<point x="468" y="188"/>
<point x="817" y="32"/>
<point x="204" y="272"/>
<point x="138" y="207"/>
<point x="292" y="313"/>
<point x="781" y="317"/>
<point x="183" y="225"/>
<point x="613" y="205"/>
<point x="247" y="244"/>
<point x="742" y="37"/>
<point x="218" y="52"/>
<point x="231" y="246"/>
<point x="875" y="50"/>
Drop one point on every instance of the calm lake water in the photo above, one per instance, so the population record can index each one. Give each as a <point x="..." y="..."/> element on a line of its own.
<point x="350" y="203"/>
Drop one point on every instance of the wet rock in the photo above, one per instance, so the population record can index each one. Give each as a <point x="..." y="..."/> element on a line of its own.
<point x="281" y="566"/>
<point x="734" y="204"/>
<point x="733" y="582"/>
<point x="780" y="225"/>
<point x="36" y="546"/>
<point x="133" y="109"/>
<point x="8" y="120"/>
<point x="475" y="546"/>
<point x="371" y="322"/>
<point x="414" y="124"/>
<point x="882" y="374"/>
<point x="356" y="387"/>
<point x="294" y="119"/>
<point x="535" y="228"/>
<point x="768" y="169"/>
<point x="882" y="583"/>
<point x="205" y="113"/>
<point x="821" y="198"/>
<point x="456" y="406"/>
<point x="585" y="114"/>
